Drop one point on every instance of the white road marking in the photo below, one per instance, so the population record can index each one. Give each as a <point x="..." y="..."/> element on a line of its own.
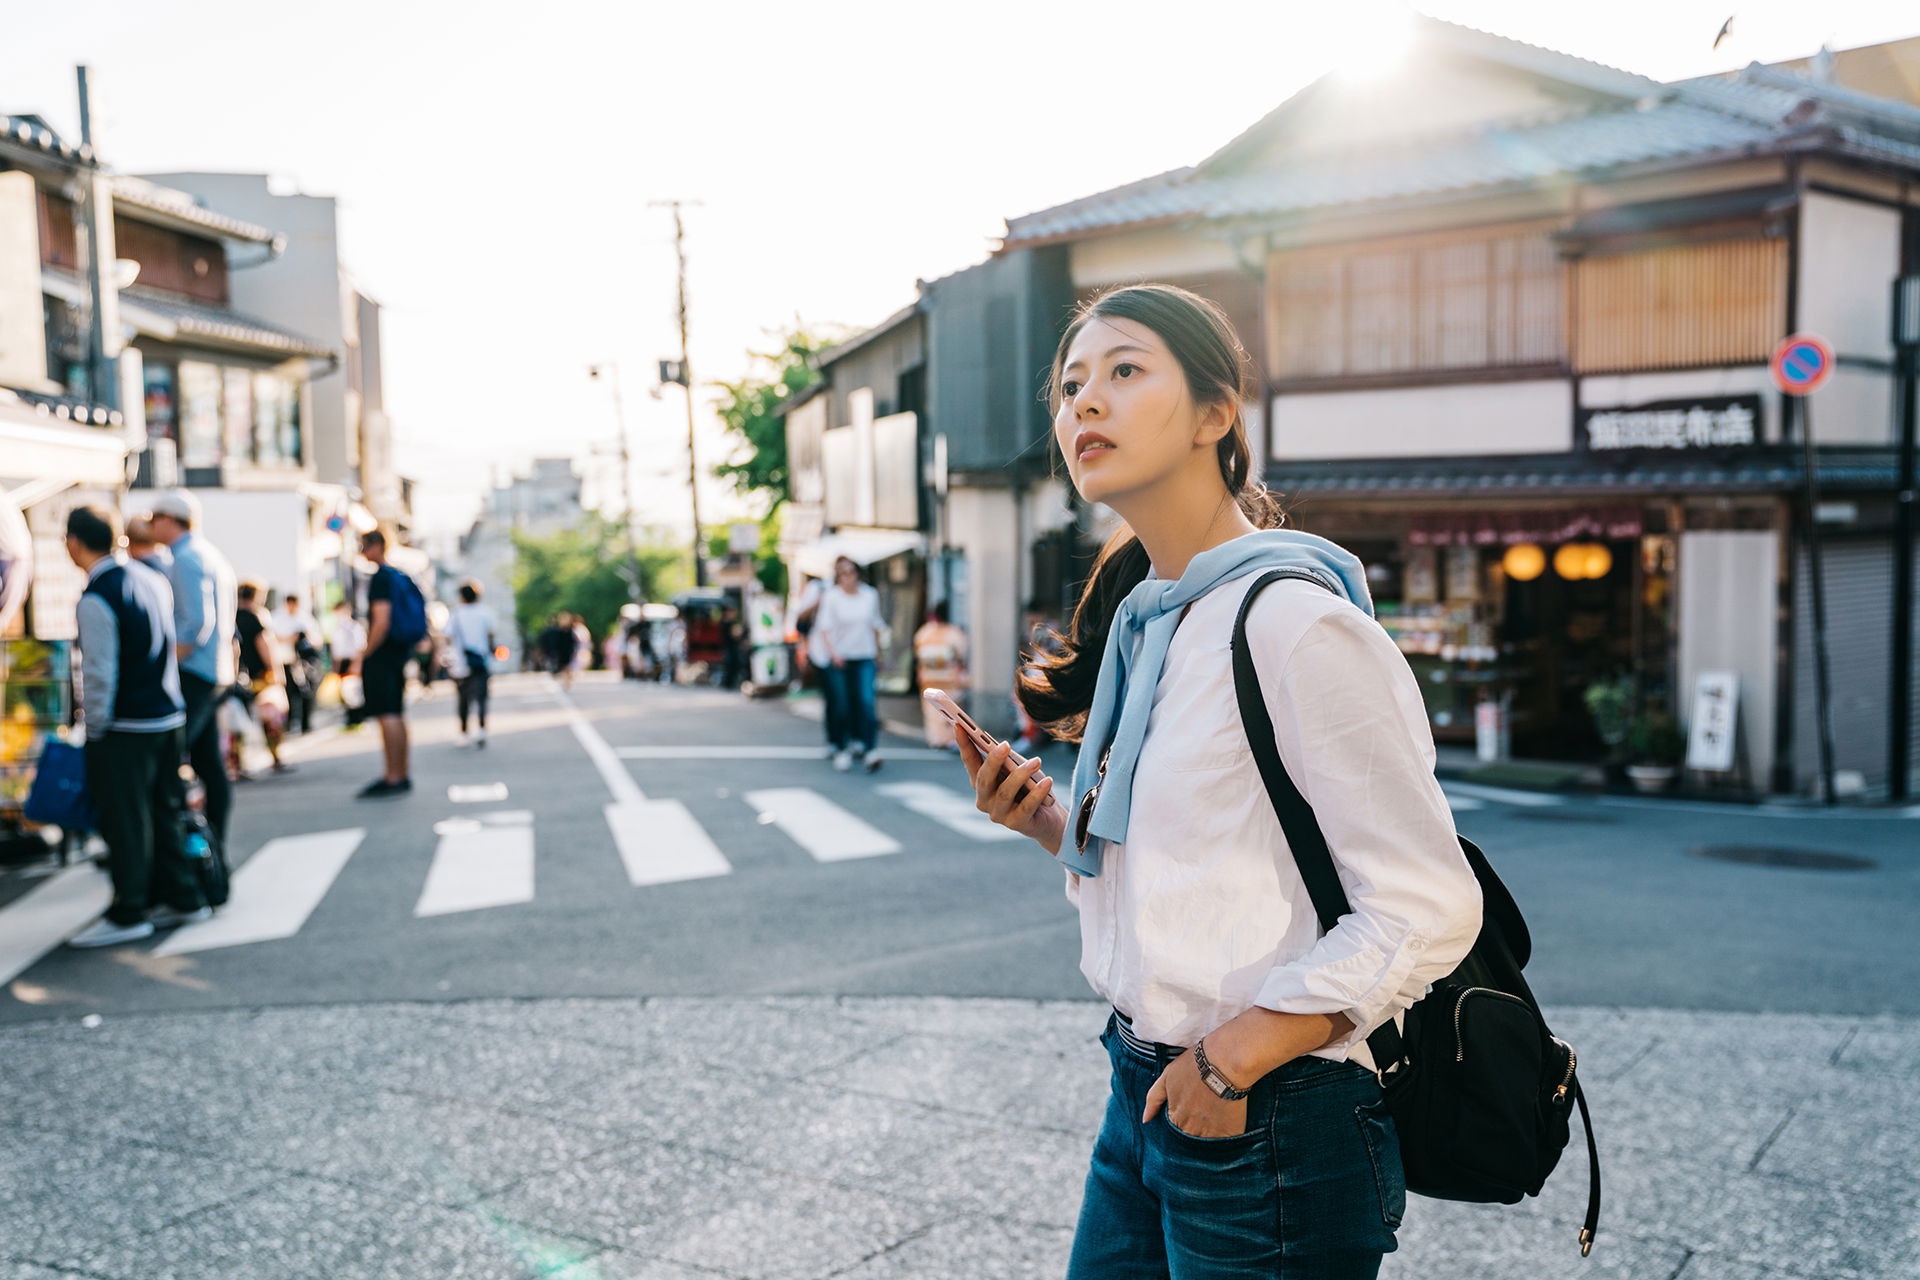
<point x="1505" y="795"/>
<point x="274" y="892"/>
<point x="488" y="866"/>
<point x="820" y="826"/>
<point x="661" y="842"/>
<point x="1464" y="804"/>
<point x="481" y="793"/>
<point x="619" y="782"/>
<point x="769" y="753"/>
<point x="949" y="808"/>
<point x="54" y="911"/>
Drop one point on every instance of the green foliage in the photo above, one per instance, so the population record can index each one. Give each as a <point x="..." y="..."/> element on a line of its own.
<point x="768" y="567"/>
<point x="749" y="409"/>
<point x="1656" y="738"/>
<point x="586" y="570"/>
<point x="1610" y="702"/>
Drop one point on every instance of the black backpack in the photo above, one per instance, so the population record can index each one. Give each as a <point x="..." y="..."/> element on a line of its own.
<point x="1480" y="1090"/>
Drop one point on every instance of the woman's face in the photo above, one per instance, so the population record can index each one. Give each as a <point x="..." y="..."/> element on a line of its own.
<point x="1126" y="419"/>
<point x="846" y="575"/>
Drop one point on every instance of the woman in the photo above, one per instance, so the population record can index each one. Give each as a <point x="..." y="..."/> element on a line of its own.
<point x="470" y="658"/>
<point x="1245" y="1135"/>
<point x="850" y="630"/>
<point x="262" y="689"/>
<point x="940" y="658"/>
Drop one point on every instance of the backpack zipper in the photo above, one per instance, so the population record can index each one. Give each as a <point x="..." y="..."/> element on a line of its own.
<point x="1460" y="1007"/>
<point x="1560" y="1094"/>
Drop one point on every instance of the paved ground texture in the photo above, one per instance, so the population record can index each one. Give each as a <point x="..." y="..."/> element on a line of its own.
<point x="620" y="1138"/>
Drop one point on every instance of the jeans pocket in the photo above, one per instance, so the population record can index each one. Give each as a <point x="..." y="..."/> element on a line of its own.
<point x="1383" y="1147"/>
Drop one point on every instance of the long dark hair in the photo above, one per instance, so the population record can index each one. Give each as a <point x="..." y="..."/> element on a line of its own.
<point x="1058" y="689"/>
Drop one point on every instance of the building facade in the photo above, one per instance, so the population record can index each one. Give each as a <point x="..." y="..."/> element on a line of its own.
<point x="1511" y="315"/>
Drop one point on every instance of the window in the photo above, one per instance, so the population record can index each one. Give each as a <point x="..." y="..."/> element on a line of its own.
<point x="161" y="402"/>
<point x="1681" y="305"/>
<point x="200" y="416"/>
<point x="238" y="401"/>
<point x="1459" y="304"/>
<point x="276" y="420"/>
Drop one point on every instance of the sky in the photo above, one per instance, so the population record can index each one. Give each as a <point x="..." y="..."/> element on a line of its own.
<point x="497" y="163"/>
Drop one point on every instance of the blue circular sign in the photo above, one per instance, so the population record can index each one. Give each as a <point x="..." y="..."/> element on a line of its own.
<point x="1802" y="364"/>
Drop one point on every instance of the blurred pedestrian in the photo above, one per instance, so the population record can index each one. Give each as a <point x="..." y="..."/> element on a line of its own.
<point x="135" y="717"/>
<point x="298" y="637"/>
<point x="470" y="640"/>
<point x="204" y="601"/>
<point x="558" y="644"/>
<point x="733" y="648"/>
<point x="345" y="645"/>
<point x="851" y="632"/>
<point x="582" y="645"/>
<point x="940" y="658"/>
<point x="397" y="623"/>
<point x="813" y="655"/>
<point x="266" y="696"/>
<point x="145" y="547"/>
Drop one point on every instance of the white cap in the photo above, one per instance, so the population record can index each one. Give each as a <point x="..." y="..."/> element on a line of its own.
<point x="180" y="504"/>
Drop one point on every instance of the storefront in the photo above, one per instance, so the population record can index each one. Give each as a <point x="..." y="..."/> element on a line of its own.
<point x="1521" y="584"/>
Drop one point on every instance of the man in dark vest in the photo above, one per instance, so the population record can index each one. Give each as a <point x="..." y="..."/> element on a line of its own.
<point x="130" y="698"/>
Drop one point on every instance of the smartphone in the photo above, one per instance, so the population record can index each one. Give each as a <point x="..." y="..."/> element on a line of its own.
<point x="963" y="723"/>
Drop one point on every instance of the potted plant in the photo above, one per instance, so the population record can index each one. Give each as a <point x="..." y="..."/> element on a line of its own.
<point x="1610" y="703"/>
<point x="1655" y="747"/>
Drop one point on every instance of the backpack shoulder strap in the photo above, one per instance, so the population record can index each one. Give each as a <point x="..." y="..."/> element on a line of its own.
<point x="1304" y="837"/>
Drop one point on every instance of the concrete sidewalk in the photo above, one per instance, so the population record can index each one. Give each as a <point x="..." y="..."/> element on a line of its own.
<point x="671" y="1139"/>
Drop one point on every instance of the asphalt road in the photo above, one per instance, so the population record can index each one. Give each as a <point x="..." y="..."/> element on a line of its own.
<point x="503" y="875"/>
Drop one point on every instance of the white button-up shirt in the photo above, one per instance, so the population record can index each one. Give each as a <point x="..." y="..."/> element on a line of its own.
<point x="1202" y="913"/>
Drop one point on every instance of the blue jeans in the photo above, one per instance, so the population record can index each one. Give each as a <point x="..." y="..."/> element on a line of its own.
<point x="853" y="715"/>
<point x="1313" y="1190"/>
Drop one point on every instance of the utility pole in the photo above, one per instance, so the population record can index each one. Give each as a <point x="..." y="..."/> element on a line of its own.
<point x="95" y="230"/>
<point x="686" y="381"/>
<point x="612" y="368"/>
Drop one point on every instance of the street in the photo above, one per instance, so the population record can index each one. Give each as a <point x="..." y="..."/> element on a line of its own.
<point x="644" y="988"/>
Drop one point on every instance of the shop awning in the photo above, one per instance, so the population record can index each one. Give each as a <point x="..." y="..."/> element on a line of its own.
<point x="862" y="546"/>
<point x="36" y="446"/>
<point x="1774" y="470"/>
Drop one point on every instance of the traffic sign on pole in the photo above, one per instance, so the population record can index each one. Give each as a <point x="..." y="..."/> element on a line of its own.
<point x="1802" y="364"/>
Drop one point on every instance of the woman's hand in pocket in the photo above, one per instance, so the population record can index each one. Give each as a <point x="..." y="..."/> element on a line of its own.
<point x="997" y="788"/>
<point x="1192" y="1108"/>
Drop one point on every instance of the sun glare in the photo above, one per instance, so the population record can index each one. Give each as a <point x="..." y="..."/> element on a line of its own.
<point x="1368" y="42"/>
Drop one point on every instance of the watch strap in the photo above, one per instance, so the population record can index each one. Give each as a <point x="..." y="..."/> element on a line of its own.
<point x="1211" y="1076"/>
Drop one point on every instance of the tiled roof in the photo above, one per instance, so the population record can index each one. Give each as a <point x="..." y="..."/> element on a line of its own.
<point x="32" y="131"/>
<point x="140" y="196"/>
<point x="217" y="325"/>
<point x="1763" y="109"/>
<point x="1560" y="474"/>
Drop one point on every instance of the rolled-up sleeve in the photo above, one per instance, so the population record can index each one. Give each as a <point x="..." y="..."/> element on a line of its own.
<point x="1352" y="731"/>
<point x="194" y="615"/>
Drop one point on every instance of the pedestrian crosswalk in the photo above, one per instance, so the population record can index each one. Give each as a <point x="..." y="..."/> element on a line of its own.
<point x="487" y="858"/>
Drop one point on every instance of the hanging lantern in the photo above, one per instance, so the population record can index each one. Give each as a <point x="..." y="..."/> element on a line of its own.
<point x="1524" y="561"/>
<point x="1580" y="561"/>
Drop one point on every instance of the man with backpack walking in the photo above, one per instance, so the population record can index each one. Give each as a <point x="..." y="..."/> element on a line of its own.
<point x="396" y="624"/>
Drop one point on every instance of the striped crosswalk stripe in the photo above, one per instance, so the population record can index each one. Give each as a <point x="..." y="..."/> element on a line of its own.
<point x="53" y="912"/>
<point x="820" y="826"/>
<point x="478" y="864"/>
<point x="661" y="842"/>
<point x="274" y="892"/>
<point x="949" y="808"/>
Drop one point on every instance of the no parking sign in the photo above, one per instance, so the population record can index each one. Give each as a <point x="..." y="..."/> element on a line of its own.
<point x="1802" y="364"/>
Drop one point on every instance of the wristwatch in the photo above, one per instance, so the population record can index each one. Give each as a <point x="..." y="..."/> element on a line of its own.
<point x="1211" y="1077"/>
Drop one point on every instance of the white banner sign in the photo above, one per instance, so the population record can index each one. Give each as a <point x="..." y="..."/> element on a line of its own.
<point x="1716" y="699"/>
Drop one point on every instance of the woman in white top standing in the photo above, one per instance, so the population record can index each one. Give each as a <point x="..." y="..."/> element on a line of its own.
<point x="1246" y="1134"/>
<point x="470" y="652"/>
<point x="851" y="630"/>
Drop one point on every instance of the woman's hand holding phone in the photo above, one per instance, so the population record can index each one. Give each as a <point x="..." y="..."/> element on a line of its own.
<point x="998" y="793"/>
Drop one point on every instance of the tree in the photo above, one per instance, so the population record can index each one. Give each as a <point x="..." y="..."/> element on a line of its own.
<point x="750" y="409"/>
<point x="583" y="570"/>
